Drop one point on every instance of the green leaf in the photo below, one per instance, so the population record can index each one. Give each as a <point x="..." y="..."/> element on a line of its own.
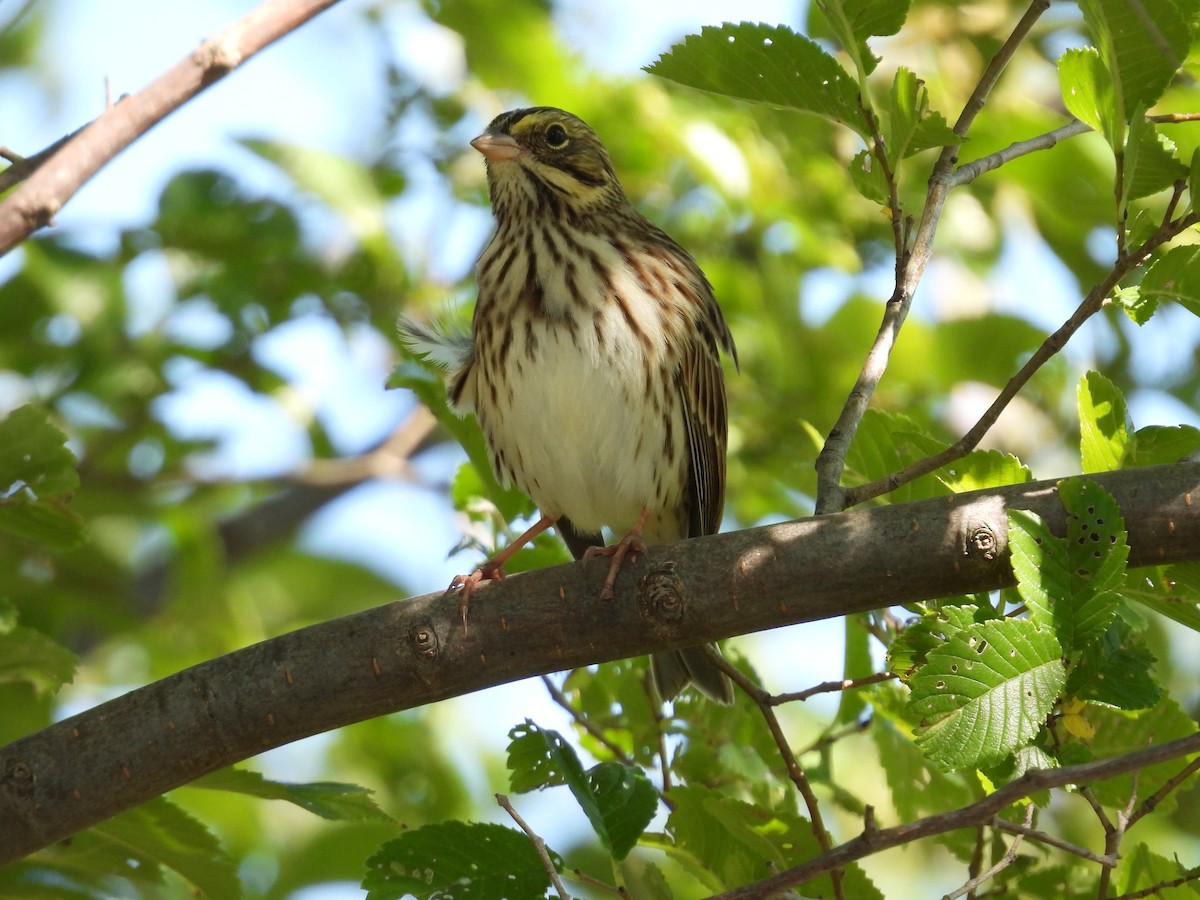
<point x="1115" y="671"/>
<point x="327" y="799"/>
<point x="911" y="126"/>
<point x="1150" y="162"/>
<point x="1174" y="593"/>
<point x="869" y="178"/>
<point x="982" y="469"/>
<point x="986" y="692"/>
<point x="1194" y="181"/>
<point x="1072" y="585"/>
<point x="911" y="647"/>
<point x="1103" y="424"/>
<point x="618" y="800"/>
<point x="459" y="860"/>
<point x="1139" y="307"/>
<point x="917" y="788"/>
<point x="1144" y="872"/>
<point x="1142" y="44"/>
<point x="853" y="21"/>
<point x="1087" y="92"/>
<point x="37" y="480"/>
<point x="29" y="657"/>
<point x="1175" y="276"/>
<point x="886" y="442"/>
<point x="1157" y="445"/>
<point x="765" y="64"/>
<point x="159" y="833"/>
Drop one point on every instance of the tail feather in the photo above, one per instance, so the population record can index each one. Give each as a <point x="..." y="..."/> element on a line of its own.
<point x="674" y="670"/>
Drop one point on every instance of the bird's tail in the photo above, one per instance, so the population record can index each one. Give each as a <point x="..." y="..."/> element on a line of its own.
<point x="674" y="670"/>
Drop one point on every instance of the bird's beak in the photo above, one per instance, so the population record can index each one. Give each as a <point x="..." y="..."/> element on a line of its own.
<point x="497" y="147"/>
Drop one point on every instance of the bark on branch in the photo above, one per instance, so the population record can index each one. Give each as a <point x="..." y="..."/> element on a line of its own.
<point x="35" y="203"/>
<point x="413" y="652"/>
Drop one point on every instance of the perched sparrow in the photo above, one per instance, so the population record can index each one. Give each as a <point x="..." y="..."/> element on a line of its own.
<point x="593" y="363"/>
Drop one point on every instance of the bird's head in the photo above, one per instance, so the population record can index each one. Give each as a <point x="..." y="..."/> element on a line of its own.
<point x="549" y="159"/>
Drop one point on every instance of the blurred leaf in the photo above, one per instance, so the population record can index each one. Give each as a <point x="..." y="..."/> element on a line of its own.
<point x="765" y="64"/>
<point x="30" y="657"/>
<point x="1175" y="276"/>
<point x="464" y="860"/>
<point x="1157" y="445"/>
<point x="37" y="480"/>
<point x="982" y="469"/>
<point x="1143" y="870"/>
<point x="327" y="799"/>
<point x="1118" y="732"/>
<point x="1150" y="162"/>
<point x="1087" y="91"/>
<point x="986" y="692"/>
<point x="159" y="833"/>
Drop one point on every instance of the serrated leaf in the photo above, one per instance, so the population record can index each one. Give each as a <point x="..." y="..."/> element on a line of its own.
<point x="886" y="442"/>
<point x="618" y="800"/>
<point x="1145" y="873"/>
<point x="1072" y="585"/>
<point x="327" y="799"/>
<point x="917" y="788"/>
<point x="1142" y="44"/>
<point x="1115" y="671"/>
<point x="868" y="177"/>
<point x="765" y="64"/>
<point x="1138" y="306"/>
<point x="159" y="833"/>
<point x="986" y="692"/>
<point x="1150" y="162"/>
<point x="911" y="647"/>
<point x="1175" y="276"/>
<point x="458" y="861"/>
<point x="30" y="657"/>
<point x="626" y="801"/>
<point x="1103" y="424"/>
<point x="911" y="127"/>
<point x="982" y="469"/>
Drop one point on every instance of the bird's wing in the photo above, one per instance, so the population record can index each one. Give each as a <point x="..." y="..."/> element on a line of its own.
<point x="702" y="388"/>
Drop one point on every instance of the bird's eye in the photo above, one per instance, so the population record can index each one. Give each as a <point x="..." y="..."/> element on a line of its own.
<point x="556" y="137"/>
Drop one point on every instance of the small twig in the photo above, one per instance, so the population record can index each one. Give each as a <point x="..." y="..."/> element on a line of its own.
<point x="24" y="166"/>
<point x="387" y="461"/>
<point x="830" y="686"/>
<point x="1156" y="889"/>
<point x="585" y="723"/>
<point x="968" y="172"/>
<point x="539" y="846"/>
<point x="1005" y="861"/>
<point x="762" y="700"/>
<point x="1051" y="841"/>
<point x="591" y="881"/>
<point x="1174" y="118"/>
<point x="1148" y="805"/>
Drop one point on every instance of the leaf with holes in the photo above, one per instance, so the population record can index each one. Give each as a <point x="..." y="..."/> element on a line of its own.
<point x="765" y="64"/>
<point x="986" y="693"/>
<point x="1072" y="585"/>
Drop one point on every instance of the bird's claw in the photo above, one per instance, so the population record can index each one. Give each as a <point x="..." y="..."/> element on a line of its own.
<point x="466" y="584"/>
<point x="631" y="543"/>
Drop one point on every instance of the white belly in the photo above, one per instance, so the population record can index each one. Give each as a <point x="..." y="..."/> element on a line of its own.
<point x="582" y="435"/>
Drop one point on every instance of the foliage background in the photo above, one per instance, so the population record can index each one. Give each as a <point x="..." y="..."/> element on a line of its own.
<point x="211" y="324"/>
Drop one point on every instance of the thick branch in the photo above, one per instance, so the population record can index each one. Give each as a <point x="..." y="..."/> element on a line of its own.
<point x="35" y="203"/>
<point x="413" y="652"/>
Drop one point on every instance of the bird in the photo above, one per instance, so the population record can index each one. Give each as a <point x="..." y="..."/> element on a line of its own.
<point x="593" y="362"/>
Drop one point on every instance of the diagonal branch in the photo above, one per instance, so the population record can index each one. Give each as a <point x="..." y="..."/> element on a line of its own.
<point x="830" y="462"/>
<point x="874" y="840"/>
<point x="35" y="203"/>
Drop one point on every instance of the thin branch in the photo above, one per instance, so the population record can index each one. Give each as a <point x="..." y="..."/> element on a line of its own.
<point x="584" y="722"/>
<point x="762" y="700"/>
<point x="876" y="840"/>
<point x="1051" y="841"/>
<point x="1174" y="118"/>
<point x="1091" y="304"/>
<point x="1148" y="805"/>
<point x="35" y="203"/>
<point x="1009" y="857"/>
<point x="968" y="172"/>
<point x="539" y="846"/>
<point x="830" y="686"/>
<point x="1156" y="889"/>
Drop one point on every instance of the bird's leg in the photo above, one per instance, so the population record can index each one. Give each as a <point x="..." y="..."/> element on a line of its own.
<point x="492" y="569"/>
<point x="618" y="551"/>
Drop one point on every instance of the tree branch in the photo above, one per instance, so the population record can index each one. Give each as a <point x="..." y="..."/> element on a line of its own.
<point x="35" y="203"/>
<point x="414" y="652"/>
